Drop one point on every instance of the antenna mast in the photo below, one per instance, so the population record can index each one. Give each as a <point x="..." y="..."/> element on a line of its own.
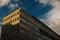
<point x="20" y="3"/>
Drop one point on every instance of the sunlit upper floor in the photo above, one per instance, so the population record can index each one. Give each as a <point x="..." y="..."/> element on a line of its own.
<point x="12" y="18"/>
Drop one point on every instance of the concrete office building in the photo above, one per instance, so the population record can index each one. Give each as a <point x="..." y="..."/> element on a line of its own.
<point x="20" y="25"/>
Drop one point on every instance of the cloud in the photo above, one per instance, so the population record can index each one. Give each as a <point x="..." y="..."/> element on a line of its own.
<point x="4" y="2"/>
<point x="42" y="1"/>
<point x="53" y="20"/>
<point x="54" y="14"/>
<point x="12" y="6"/>
<point x="56" y="29"/>
<point x="8" y="2"/>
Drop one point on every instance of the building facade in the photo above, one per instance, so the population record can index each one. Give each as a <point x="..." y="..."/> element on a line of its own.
<point x="19" y="25"/>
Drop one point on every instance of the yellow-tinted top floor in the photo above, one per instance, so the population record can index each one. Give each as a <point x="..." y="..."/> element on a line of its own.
<point x="12" y="18"/>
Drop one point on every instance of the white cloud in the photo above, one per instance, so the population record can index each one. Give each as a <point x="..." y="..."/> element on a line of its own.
<point x="54" y="14"/>
<point x="53" y="20"/>
<point x="42" y="1"/>
<point x="4" y="2"/>
<point x="12" y="6"/>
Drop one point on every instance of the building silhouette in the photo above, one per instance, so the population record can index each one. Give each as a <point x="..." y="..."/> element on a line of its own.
<point x="20" y="25"/>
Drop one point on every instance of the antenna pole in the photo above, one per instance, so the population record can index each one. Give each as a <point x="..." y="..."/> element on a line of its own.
<point x="21" y="3"/>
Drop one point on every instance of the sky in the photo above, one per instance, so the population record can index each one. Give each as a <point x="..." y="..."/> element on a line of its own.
<point x="47" y="11"/>
<point x="32" y="6"/>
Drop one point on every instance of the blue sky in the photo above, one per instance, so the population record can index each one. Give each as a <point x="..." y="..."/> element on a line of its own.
<point x="37" y="8"/>
<point x="48" y="11"/>
<point x="33" y="7"/>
